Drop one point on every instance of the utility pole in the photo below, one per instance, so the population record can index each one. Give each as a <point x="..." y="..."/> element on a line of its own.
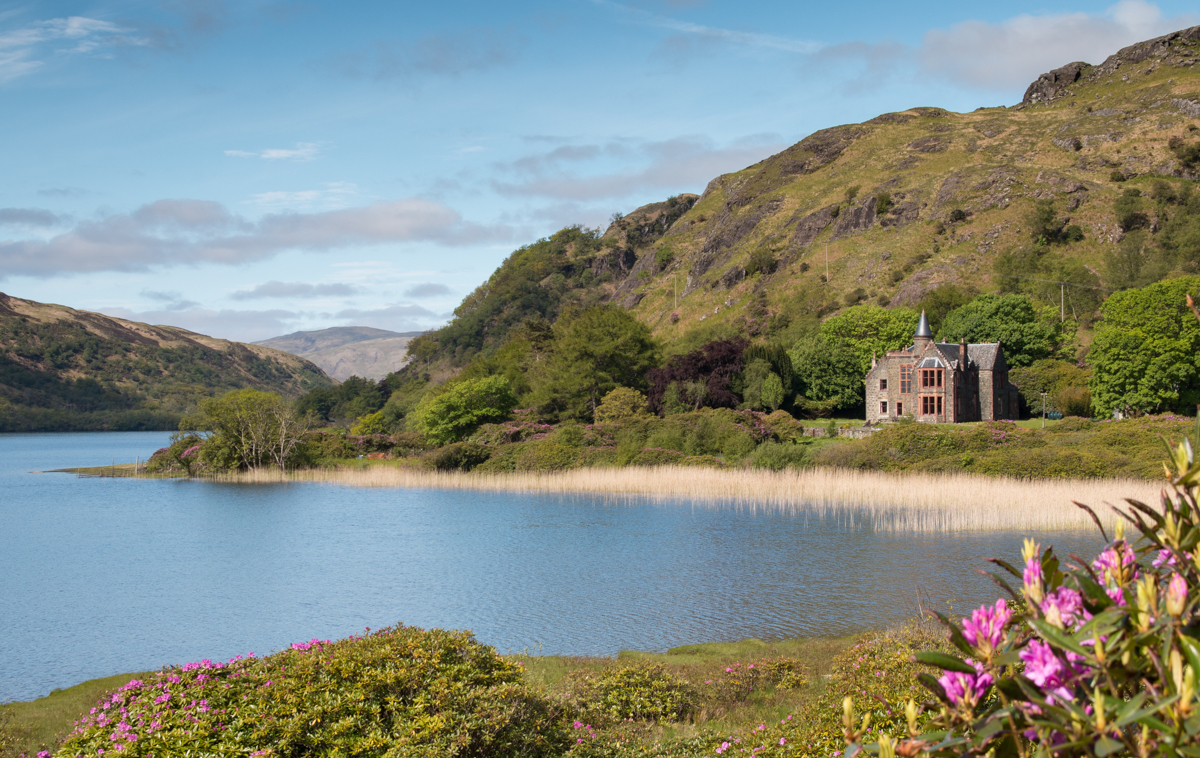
<point x="827" y="263"/>
<point x="675" y="281"/>
<point x="1062" y="302"/>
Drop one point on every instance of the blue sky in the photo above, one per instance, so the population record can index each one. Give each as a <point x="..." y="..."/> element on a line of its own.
<point x="255" y="168"/>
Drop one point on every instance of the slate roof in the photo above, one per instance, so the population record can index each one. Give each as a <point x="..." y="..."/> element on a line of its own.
<point x="984" y="354"/>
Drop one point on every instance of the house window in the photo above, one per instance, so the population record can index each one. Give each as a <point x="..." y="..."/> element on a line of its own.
<point x="931" y="405"/>
<point x="906" y="379"/>
<point x="883" y="408"/>
<point x="931" y="377"/>
<point x="899" y="408"/>
<point x="883" y="384"/>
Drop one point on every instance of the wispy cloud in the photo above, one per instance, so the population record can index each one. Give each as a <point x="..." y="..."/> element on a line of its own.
<point x="334" y="195"/>
<point x="189" y="232"/>
<point x="175" y="301"/>
<point x="681" y="163"/>
<point x="466" y="51"/>
<point x="24" y="50"/>
<point x="303" y="151"/>
<point x="297" y="290"/>
<point x="398" y="317"/>
<point x="427" y="289"/>
<point x="32" y="217"/>
<point x="731" y="36"/>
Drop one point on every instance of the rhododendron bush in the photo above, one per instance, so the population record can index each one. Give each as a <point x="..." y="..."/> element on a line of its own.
<point x="396" y="691"/>
<point x="1087" y="658"/>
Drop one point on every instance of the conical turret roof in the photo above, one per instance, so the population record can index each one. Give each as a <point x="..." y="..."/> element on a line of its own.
<point x="923" y="329"/>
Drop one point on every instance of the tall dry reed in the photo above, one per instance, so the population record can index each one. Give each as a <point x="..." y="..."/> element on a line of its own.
<point x="908" y="502"/>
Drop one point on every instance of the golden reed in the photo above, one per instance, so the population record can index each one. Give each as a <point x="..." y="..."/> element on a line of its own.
<point x="893" y="502"/>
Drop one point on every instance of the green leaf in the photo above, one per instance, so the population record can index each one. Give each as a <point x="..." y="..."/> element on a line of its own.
<point x="1192" y="650"/>
<point x="1057" y="637"/>
<point x="1107" y="746"/>
<point x="945" y="662"/>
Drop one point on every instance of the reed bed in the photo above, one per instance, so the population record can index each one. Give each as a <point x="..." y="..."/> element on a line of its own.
<point x="890" y="502"/>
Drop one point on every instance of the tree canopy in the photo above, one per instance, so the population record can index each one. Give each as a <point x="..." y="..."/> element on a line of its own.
<point x="1146" y="356"/>
<point x="1010" y="320"/>
<point x="595" y="351"/>
<point x="868" y="330"/>
<point x="461" y="408"/>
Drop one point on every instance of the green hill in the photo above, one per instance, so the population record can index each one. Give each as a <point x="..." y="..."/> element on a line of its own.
<point x="67" y="370"/>
<point x="1060" y="197"/>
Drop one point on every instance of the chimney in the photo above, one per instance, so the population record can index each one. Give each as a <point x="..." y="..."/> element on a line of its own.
<point x="924" y="335"/>
<point x="962" y="354"/>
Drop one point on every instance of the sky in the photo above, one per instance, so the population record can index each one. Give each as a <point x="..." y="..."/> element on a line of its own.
<point x="254" y="168"/>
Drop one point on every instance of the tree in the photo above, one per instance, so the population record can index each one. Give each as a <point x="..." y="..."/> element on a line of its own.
<point x="595" y="351"/>
<point x="700" y="378"/>
<point x="940" y="301"/>
<point x="1146" y="356"/>
<point x="248" y="429"/>
<point x="868" y="330"/>
<point x="762" y="389"/>
<point x="827" y="372"/>
<point x="620" y="405"/>
<point x="1010" y="320"/>
<point x="461" y="408"/>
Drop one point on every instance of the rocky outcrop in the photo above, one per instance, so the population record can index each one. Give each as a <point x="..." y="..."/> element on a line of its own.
<point x="810" y="226"/>
<point x="855" y="219"/>
<point x="1052" y="85"/>
<point x="929" y="144"/>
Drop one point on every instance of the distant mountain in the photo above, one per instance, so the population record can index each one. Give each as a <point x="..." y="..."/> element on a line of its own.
<point x="345" y="351"/>
<point x="63" y="369"/>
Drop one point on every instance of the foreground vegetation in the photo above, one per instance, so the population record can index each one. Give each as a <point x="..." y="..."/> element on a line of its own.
<point x="465" y="700"/>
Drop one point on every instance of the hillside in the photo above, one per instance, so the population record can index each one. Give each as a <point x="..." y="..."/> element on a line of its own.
<point x="346" y="351"/>
<point x="1054" y="197"/>
<point x="63" y="369"/>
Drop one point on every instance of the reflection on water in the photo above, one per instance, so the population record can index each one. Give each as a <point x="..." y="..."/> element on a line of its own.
<point x="113" y="575"/>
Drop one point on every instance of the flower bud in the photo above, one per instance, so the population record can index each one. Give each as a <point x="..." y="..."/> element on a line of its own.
<point x="1030" y="550"/>
<point x="910" y="712"/>
<point x="1177" y="593"/>
<point x="1147" y="600"/>
<point x="887" y="748"/>
<point x="1098" y="708"/>
<point x="1119" y="531"/>
<point x="848" y="714"/>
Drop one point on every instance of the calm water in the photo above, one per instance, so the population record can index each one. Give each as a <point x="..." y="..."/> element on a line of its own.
<point x="105" y="576"/>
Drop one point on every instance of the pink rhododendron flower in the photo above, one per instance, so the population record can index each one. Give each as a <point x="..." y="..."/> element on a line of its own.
<point x="1068" y="604"/>
<point x="965" y="689"/>
<point x="985" y="628"/>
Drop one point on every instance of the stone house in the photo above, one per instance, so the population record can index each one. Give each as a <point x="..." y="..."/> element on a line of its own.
<point x="941" y="382"/>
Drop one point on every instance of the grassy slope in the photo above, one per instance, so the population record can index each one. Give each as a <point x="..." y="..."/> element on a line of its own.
<point x="993" y="163"/>
<point x="64" y="369"/>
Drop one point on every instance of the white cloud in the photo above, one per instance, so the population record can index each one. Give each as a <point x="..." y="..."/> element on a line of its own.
<point x="1015" y="52"/>
<point x="297" y="290"/>
<point x="23" y="50"/>
<point x="188" y="232"/>
<point x="36" y="217"/>
<point x="334" y="195"/>
<point x="303" y="151"/>
<point x="680" y="163"/>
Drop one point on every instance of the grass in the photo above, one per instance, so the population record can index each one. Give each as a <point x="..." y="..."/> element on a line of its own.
<point x="897" y="502"/>
<point x="40" y="724"/>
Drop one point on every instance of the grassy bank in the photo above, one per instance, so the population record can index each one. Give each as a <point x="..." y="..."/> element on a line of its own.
<point x="704" y="695"/>
<point x="901" y="502"/>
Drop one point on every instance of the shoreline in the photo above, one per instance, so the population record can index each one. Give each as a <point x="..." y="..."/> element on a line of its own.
<point x="911" y="502"/>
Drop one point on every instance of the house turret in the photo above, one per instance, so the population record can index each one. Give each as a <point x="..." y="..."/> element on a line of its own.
<point x="923" y="335"/>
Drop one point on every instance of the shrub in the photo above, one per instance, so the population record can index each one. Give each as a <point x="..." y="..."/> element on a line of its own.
<point x="1117" y="176"/>
<point x="620" y="404"/>
<point x="1092" y="660"/>
<point x="656" y="456"/>
<point x="397" y="691"/>
<point x="883" y="203"/>
<point x="182" y="455"/>
<point x="546" y="455"/>
<point x="642" y="691"/>
<point x="777" y="456"/>
<point x="1073" y="233"/>
<point x="459" y="456"/>
<point x="372" y="423"/>
<point x="958" y="214"/>
<point x="664" y="257"/>
<point x="762" y="261"/>
<point x="784" y="427"/>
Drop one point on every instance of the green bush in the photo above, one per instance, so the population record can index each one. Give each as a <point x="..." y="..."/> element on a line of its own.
<point x="461" y="408"/>
<point x="547" y="455"/>
<point x="397" y="691"/>
<point x="883" y="203"/>
<point x="784" y="427"/>
<point x="642" y="691"/>
<point x="459" y="456"/>
<point x="657" y="456"/>
<point x="777" y="456"/>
